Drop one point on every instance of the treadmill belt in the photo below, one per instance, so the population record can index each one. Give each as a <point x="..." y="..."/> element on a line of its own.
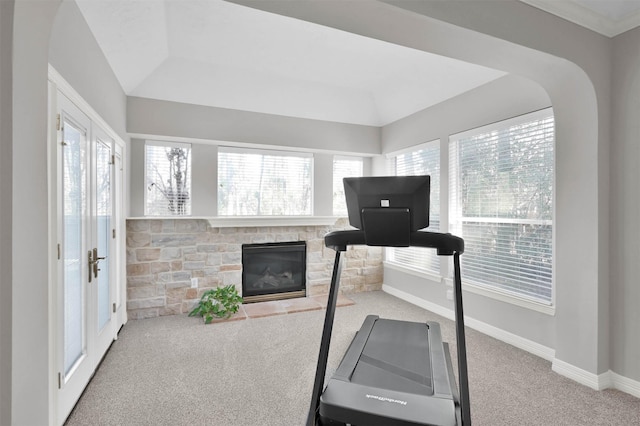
<point x="396" y="357"/>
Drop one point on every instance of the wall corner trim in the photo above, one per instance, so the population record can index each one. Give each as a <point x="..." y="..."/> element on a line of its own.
<point x="584" y="377"/>
<point x="625" y="384"/>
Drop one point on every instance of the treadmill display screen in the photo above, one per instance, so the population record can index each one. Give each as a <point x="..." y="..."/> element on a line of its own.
<point x="389" y="192"/>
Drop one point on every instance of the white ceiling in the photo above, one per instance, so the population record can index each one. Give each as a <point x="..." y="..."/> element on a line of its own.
<point x="214" y="53"/>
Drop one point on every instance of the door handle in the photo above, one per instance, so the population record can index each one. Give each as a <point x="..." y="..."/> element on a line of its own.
<point x="93" y="263"/>
<point x="96" y="259"/>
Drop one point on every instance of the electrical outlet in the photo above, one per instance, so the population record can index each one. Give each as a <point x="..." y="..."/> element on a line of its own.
<point x="449" y="294"/>
<point x="194" y="283"/>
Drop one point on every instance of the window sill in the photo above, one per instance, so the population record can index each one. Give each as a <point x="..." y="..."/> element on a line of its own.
<point x="476" y="289"/>
<point x="421" y="273"/>
<point x="506" y="297"/>
<point x="251" y="221"/>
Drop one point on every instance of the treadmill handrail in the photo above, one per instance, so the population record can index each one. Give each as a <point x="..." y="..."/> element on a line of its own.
<point x="446" y="244"/>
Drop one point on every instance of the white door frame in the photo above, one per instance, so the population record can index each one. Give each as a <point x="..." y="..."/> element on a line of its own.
<point x="58" y="88"/>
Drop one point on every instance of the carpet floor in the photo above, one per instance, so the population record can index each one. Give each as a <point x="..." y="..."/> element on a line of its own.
<point x="175" y="370"/>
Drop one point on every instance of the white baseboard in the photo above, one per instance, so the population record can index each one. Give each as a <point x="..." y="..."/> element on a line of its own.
<point x="624" y="384"/>
<point x="602" y="381"/>
<point x="414" y="300"/>
<point x="594" y="381"/>
<point x="495" y="332"/>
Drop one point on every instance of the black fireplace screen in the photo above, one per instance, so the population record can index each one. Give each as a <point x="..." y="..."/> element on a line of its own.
<point x="273" y="269"/>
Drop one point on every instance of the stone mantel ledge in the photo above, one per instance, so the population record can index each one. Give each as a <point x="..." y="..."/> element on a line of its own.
<point x="251" y="221"/>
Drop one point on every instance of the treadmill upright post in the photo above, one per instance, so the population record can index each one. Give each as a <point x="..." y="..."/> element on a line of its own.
<point x="463" y="376"/>
<point x="326" y="340"/>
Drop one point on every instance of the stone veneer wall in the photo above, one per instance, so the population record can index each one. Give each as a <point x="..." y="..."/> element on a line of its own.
<point x="163" y="255"/>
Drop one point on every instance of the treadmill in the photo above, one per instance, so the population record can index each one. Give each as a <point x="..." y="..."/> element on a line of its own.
<point x="394" y="373"/>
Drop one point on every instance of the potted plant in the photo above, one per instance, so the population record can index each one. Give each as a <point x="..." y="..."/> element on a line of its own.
<point x="219" y="302"/>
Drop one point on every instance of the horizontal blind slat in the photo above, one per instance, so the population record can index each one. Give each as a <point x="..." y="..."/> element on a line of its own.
<point x="424" y="160"/>
<point x="262" y="182"/>
<point x="501" y="193"/>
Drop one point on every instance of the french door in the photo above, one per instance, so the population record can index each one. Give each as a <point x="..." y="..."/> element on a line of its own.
<point x="86" y="284"/>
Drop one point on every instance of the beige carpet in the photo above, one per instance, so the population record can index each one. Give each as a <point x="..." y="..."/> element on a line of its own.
<point x="177" y="371"/>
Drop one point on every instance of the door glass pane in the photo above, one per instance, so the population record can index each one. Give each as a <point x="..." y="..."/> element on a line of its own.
<point x="103" y="220"/>
<point x="74" y="205"/>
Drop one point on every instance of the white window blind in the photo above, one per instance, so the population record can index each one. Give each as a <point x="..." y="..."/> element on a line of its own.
<point x="167" y="179"/>
<point x="501" y="203"/>
<point x="255" y="182"/>
<point x="420" y="160"/>
<point x="343" y="167"/>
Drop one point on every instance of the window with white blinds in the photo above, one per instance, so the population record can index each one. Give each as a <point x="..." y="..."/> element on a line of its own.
<point x="421" y="160"/>
<point x="167" y="179"/>
<point x="343" y="167"/>
<point x="501" y="203"/>
<point x="254" y="182"/>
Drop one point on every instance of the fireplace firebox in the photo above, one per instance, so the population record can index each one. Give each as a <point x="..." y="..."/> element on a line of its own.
<point x="273" y="271"/>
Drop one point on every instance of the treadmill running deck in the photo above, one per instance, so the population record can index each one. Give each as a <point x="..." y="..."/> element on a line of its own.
<point x="387" y="377"/>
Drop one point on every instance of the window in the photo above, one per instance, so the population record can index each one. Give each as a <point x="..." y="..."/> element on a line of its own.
<point x="167" y="179"/>
<point x="420" y="160"/>
<point x="501" y="203"/>
<point x="255" y="182"/>
<point x="343" y="167"/>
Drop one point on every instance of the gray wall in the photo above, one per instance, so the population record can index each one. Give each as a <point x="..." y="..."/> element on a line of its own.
<point x="172" y="119"/>
<point x="505" y="97"/>
<point x="210" y="126"/>
<point x="573" y="65"/>
<point x="625" y="199"/>
<point x="75" y="54"/>
<point x="582" y="102"/>
<point x="35" y="25"/>
<point x="30" y="375"/>
<point x="509" y="96"/>
<point x="6" y="29"/>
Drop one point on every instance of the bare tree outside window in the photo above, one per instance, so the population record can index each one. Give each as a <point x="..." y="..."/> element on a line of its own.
<point x="168" y="180"/>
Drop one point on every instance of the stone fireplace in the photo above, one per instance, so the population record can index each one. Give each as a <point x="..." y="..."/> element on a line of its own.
<point x="171" y="262"/>
<point x="273" y="271"/>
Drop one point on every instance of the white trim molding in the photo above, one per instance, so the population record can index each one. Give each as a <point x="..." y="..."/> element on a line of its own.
<point x="584" y="377"/>
<point x="602" y="381"/>
<point x="530" y="346"/>
<point x="606" y="380"/>
<point x="61" y="84"/>
<point x="251" y="221"/>
<point x="625" y="384"/>
<point x="506" y="297"/>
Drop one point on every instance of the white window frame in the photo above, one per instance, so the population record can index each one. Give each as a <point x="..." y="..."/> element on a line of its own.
<point x="270" y="152"/>
<point x="493" y="292"/>
<point x="334" y="183"/>
<point x="144" y="180"/>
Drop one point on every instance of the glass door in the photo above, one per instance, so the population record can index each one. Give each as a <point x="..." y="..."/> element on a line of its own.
<point x="103" y="235"/>
<point x="74" y="361"/>
<point x="86" y="251"/>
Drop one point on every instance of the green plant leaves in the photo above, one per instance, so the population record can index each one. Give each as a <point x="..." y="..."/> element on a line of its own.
<point x="219" y="302"/>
